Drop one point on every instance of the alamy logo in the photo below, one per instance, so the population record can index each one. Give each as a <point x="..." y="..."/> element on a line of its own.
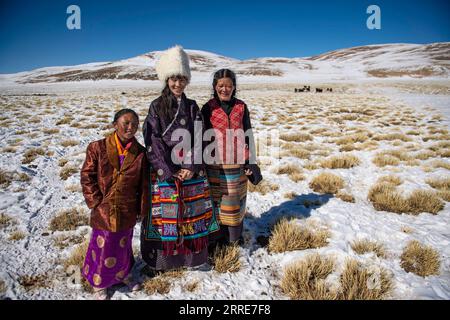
<point x="374" y="20"/>
<point x="74" y="20"/>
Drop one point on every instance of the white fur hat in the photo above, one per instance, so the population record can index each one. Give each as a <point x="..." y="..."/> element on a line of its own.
<point x="172" y="62"/>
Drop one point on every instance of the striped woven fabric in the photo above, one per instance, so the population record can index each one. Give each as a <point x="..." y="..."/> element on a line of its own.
<point x="183" y="230"/>
<point x="229" y="192"/>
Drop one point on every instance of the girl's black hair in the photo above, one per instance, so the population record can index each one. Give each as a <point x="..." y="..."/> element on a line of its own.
<point x="224" y="73"/>
<point x="165" y="110"/>
<point x="125" y="111"/>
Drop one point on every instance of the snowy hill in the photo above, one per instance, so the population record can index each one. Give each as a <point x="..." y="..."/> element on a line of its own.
<point x="373" y="61"/>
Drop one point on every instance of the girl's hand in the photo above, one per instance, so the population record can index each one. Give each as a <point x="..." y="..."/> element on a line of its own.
<point x="186" y="174"/>
<point x="177" y="175"/>
<point x="248" y="172"/>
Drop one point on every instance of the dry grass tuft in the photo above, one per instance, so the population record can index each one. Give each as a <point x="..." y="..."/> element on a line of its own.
<point x="3" y="287"/>
<point x="289" y="236"/>
<point x="192" y="286"/>
<point x="305" y="279"/>
<point x="382" y="160"/>
<point x="297" y="137"/>
<point x="385" y="197"/>
<point x="69" y="219"/>
<point x="17" y="235"/>
<point x="64" y="241"/>
<point x="226" y="259"/>
<point x="391" y="137"/>
<point x="32" y="282"/>
<point x="67" y="171"/>
<point x="364" y="246"/>
<point x="326" y="183"/>
<point x="6" y="221"/>
<point x="76" y="259"/>
<point x="159" y="285"/>
<point x="31" y="154"/>
<point x="420" y="259"/>
<point x="441" y="164"/>
<point x="263" y="187"/>
<point x="290" y="195"/>
<point x="352" y="139"/>
<point x="424" y="201"/>
<point x="359" y="283"/>
<point x="345" y="161"/>
<point x="345" y="196"/>
<point x="65" y="120"/>
<point x="70" y="143"/>
<point x="288" y="169"/>
<point x="50" y="130"/>
<point x="395" y="180"/>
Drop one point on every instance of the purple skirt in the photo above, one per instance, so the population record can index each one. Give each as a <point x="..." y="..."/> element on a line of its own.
<point x="109" y="258"/>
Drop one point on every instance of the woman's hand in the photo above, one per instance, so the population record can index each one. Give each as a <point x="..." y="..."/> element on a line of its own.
<point x="184" y="174"/>
<point x="248" y="172"/>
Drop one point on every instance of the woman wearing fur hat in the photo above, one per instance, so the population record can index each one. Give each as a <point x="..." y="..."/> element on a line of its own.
<point x="175" y="230"/>
<point x="234" y="162"/>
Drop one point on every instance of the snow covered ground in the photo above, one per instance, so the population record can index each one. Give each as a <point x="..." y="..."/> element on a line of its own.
<point x="29" y="247"/>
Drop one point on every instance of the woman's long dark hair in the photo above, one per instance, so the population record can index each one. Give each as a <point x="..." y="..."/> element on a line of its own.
<point x="165" y="110"/>
<point x="224" y="73"/>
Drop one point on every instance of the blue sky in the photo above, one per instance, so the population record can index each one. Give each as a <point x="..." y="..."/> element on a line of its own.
<point x="33" y="34"/>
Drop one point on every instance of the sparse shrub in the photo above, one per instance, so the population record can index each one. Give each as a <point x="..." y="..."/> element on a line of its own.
<point x="382" y="160"/>
<point x="352" y="139"/>
<point x="65" y="120"/>
<point x="263" y="187"/>
<point x="17" y="235"/>
<point x="6" y="221"/>
<point x="70" y="143"/>
<point x="441" y="164"/>
<point x="31" y="154"/>
<point x="420" y="259"/>
<point x="364" y="246"/>
<point x="226" y="259"/>
<point x="288" y="169"/>
<point x="359" y="283"/>
<point x="192" y="286"/>
<point x="32" y="282"/>
<point x="424" y="201"/>
<point x="305" y="279"/>
<point x="392" y="136"/>
<point x="298" y="137"/>
<point x="156" y="285"/>
<point x="288" y="236"/>
<point x="69" y="219"/>
<point x="9" y="149"/>
<point x="326" y="183"/>
<point x="290" y="195"/>
<point x="50" y="130"/>
<point x="296" y="177"/>
<point x="385" y="197"/>
<point x="67" y="171"/>
<point x="345" y="161"/>
<point x="62" y="162"/>
<point x="2" y="287"/>
<point x="345" y="197"/>
<point x="63" y="241"/>
<point x="395" y="180"/>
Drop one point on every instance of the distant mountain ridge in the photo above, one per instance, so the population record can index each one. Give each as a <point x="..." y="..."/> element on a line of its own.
<point x="372" y="61"/>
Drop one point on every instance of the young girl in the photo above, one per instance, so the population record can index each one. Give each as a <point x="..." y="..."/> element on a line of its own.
<point x="235" y="162"/>
<point x="114" y="179"/>
<point x="175" y="232"/>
